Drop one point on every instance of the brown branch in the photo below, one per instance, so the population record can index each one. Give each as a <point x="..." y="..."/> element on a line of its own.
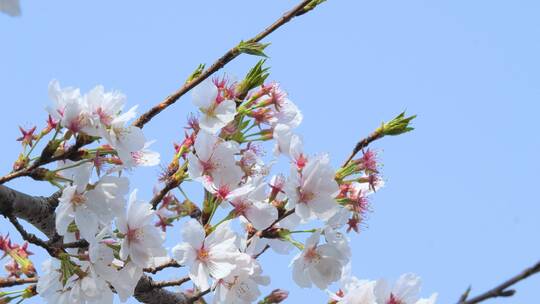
<point x="220" y="63"/>
<point x="170" y="264"/>
<point x="76" y="244"/>
<point x="199" y="295"/>
<point x="33" y="169"/>
<point x="178" y="282"/>
<point x="262" y="251"/>
<point x="145" y="292"/>
<point x="362" y="145"/>
<point x="502" y="289"/>
<point x="10" y="282"/>
<point x="31" y="238"/>
<point x="171" y="184"/>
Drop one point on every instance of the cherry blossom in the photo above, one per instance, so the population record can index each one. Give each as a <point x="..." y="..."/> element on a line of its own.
<point x="404" y="291"/>
<point x="357" y="292"/>
<point x="142" y="240"/>
<point x="213" y="157"/>
<point x="311" y="191"/>
<point x="217" y="113"/>
<point x="90" y="288"/>
<point x="213" y="256"/>
<point x="241" y="286"/>
<point x="90" y="208"/>
<point x="318" y="264"/>
<point x="251" y="205"/>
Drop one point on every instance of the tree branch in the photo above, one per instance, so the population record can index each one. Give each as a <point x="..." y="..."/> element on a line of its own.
<point x="502" y="289"/>
<point x="146" y="292"/>
<point x="10" y="282"/>
<point x="153" y="270"/>
<point x="178" y="282"/>
<point x="220" y="63"/>
<point x="33" y="169"/>
<point x="37" y="210"/>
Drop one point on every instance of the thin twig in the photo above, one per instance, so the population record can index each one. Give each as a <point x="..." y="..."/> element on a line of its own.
<point x="170" y="264"/>
<point x="31" y="170"/>
<point x="196" y="297"/>
<point x="171" y="184"/>
<point x="220" y="63"/>
<point x="262" y="251"/>
<point x="362" y="145"/>
<point x="9" y="282"/>
<point x="76" y="244"/>
<point x="502" y="289"/>
<point x="162" y="284"/>
<point x="31" y="238"/>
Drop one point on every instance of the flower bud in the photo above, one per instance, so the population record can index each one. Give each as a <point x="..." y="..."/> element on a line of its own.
<point x="276" y="296"/>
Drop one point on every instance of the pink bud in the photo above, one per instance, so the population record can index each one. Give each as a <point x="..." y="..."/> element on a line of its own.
<point x="277" y="296"/>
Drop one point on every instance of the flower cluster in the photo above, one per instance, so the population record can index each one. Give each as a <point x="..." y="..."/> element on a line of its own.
<point x="120" y="232"/>
<point x="20" y="263"/>
<point x="404" y="291"/>
<point x="223" y="151"/>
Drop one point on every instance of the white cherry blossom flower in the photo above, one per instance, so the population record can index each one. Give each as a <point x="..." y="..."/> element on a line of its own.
<point x="213" y="157"/>
<point x="125" y="280"/>
<point x="90" y="208"/>
<point x="282" y="134"/>
<point x="91" y="288"/>
<point x="124" y="138"/>
<point x="142" y="158"/>
<point x="357" y="292"/>
<point x="287" y="113"/>
<point x="404" y="291"/>
<point x="241" y="286"/>
<point x="253" y="207"/>
<point x="142" y="240"/>
<point x="61" y="98"/>
<point x="103" y="107"/>
<point x="318" y="264"/>
<point x="312" y="191"/>
<point x="279" y="246"/>
<point x="216" y="113"/>
<point x="213" y="256"/>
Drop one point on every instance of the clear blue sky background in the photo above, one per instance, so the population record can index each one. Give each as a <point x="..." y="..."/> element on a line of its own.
<point x="461" y="202"/>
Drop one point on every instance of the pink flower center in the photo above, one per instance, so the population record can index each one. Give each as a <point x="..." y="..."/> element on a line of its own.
<point x="223" y="191"/>
<point x="312" y="255"/>
<point x="301" y="161"/>
<point x="203" y="255"/>
<point x="134" y="235"/>
<point x="305" y="196"/>
<point x="207" y="166"/>
<point x="240" y="207"/>
<point x="394" y="300"/>
<point x="105" y="118"/>
<point x="78" y="199"/>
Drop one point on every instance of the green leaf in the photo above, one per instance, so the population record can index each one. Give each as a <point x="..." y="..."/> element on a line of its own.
<point x="397" y="126"/>
<point x="196" y="73"/>
<point x="252" y="48"/>
<point x="254" y="78"/>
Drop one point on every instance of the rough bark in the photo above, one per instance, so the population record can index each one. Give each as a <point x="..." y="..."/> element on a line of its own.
<point x="39" y="211"/>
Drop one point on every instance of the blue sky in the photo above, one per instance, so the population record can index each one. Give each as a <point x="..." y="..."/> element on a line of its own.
<point x="460" y="206"/>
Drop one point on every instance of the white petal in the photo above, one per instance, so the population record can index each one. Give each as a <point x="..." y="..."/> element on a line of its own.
<point x="193" y="233"/>
<point x="204" y="94"/>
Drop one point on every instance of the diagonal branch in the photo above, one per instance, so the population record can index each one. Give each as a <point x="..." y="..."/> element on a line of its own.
<point x="170" y="264"/>
<point x="501" y="290"/>
<point x="10" y="282"/>
<point x="231" y="54"/>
